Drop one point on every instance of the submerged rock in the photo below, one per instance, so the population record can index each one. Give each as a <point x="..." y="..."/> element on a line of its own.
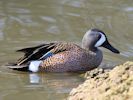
<point x="116" y="84"/>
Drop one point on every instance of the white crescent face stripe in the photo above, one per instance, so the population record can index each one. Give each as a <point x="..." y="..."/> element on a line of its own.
<point x="101" y="40"/>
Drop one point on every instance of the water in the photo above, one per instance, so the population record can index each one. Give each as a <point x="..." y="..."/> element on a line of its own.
<point x="26" y="23"/>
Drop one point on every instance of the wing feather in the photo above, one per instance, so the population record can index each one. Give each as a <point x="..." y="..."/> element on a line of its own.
<point x="34" y="53"/>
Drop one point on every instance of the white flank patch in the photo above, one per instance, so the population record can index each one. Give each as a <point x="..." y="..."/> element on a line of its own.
<point x="101" y="40"/>
<point x="34" y="66"/>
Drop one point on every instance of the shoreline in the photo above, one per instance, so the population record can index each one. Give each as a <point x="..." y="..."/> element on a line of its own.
<point x="100" y="84"/>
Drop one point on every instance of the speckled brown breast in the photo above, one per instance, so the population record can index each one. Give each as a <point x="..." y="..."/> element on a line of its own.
<point x="73" y="59"/>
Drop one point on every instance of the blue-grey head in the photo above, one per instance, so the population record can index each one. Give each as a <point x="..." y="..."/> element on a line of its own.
<point x="95" y="38"/>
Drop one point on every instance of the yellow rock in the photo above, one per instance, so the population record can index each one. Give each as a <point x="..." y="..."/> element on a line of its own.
<point x="116" y="84"/>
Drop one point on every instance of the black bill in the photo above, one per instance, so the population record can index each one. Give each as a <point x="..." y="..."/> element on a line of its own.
<point x="107" y="45"/>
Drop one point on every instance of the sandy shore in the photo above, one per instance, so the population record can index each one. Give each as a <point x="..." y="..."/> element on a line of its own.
<point x="115" y="84"/>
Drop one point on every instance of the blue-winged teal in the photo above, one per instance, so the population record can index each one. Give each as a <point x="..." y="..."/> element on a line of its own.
<point x="65" y="57"/>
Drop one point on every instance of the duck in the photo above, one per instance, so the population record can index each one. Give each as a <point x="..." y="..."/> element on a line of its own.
<point x="65" y="56"/>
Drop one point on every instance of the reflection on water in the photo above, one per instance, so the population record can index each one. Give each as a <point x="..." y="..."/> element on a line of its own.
<point x="34" y="78"/>
<point x="18" y="85"/>
<point x="30" y="22"/>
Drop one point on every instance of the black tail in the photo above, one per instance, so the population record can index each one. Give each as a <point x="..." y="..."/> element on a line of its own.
<point x="14" y="66"/>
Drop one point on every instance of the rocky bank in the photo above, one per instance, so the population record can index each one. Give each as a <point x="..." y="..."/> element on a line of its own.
<point x="115" y="84"/>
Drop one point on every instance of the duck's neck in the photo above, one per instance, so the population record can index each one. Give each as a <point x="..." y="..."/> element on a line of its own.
<point x="87" y="44"/>
<point x="89" y="48"/>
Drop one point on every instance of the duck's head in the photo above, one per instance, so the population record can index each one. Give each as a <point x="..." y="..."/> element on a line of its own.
<point x="95" y="38"/>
